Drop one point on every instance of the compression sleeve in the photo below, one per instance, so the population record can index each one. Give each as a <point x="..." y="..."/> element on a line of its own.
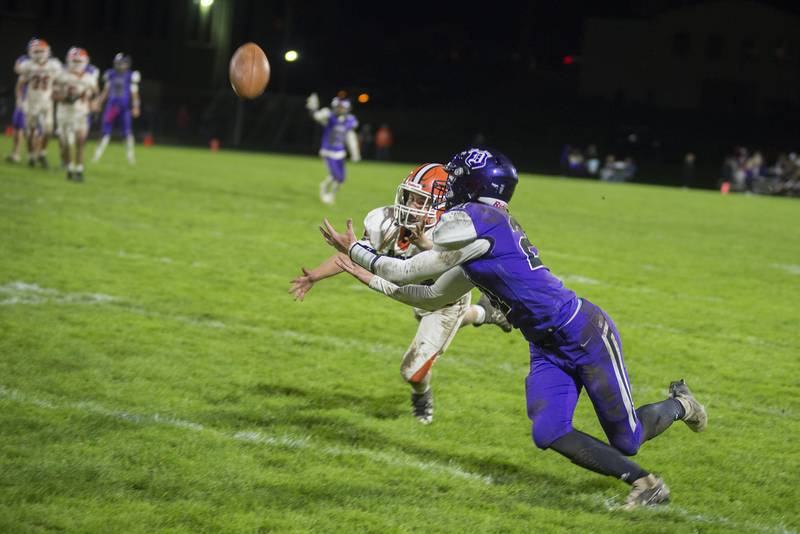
<point x="447" y="289"/>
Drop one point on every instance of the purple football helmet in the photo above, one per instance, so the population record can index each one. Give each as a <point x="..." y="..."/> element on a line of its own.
<point x="340" y="106"/>
<point x="122" y="62"/>
<point x="474" y="175"/>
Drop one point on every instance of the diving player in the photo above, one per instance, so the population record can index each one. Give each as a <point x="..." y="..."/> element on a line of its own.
<point x="403" y="230"/>
<point x="340" y="130"/>
<point x="573" y="343"/>
<point x="18" y="118"/>
<point x="74" y="89"/>
<point x="34" y="89"/>
<point x="121" y="88"/>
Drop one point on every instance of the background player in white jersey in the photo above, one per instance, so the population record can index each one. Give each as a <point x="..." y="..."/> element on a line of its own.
<point x="403" y="230"/>
<point x="74" y="88"/>
<point x="35" y="82"/>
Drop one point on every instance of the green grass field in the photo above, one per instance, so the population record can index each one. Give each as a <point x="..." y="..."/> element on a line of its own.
<point x="155" y="376"/>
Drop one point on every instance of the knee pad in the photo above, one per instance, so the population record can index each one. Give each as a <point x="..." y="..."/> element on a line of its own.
<point x="544" y="434"/>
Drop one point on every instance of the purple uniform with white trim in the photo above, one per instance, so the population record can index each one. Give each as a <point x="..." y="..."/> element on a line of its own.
<point x="119" y="100"/>
<point x="573" y="343"/>
<point x="333" y="143"/>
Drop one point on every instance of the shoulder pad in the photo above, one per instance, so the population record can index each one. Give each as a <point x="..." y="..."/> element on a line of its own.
<point x="454" y="230"/>
<point x="136" y="77"/>
<point x="377" y="223"/>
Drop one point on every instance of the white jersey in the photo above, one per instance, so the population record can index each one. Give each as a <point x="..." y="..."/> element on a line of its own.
<point x="383" y="234"/>
<point x="77" y="89"/>
<point x="39" y="78"/>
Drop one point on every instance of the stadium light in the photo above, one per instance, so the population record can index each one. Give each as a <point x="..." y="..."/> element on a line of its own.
<point x="363" y="98"/>
<point x="291" y="56"/>
<point x="568" y="60"/>
<point x="206" y="3"/>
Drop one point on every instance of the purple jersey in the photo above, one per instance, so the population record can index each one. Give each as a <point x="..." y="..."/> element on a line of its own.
<point x="513" y="276"/>
<point x="119" y="86"/>
<point x="333" y="137"/>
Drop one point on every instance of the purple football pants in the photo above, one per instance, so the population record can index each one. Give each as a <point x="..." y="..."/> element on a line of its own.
<point x="111" y="114"/>
<point x="18" y="119"/>
<point x="336" y="168"/>
<point x="586" y="353"/>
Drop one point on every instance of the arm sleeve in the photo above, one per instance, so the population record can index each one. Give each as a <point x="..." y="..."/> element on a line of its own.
<point x="447" y="289"/>
<point x="455" y="241"/>
<point x="423" y="266"/>
<point x="321" y="116"/>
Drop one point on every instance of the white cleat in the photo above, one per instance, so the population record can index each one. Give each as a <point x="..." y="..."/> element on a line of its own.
<point x="647" y="491"/>
<point x="695" y="415"/>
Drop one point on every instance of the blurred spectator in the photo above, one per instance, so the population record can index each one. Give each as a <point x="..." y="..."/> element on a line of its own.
<point x="607" y="172"/>
<point x="616" y="170"/>
<point x="182" y="119"/>
<point x="383" y="142"/>
<point x="367" y="140"/>
<point x="575" y="163"/>
<point x="688" y="169"/>
<point x="592" y="160"/>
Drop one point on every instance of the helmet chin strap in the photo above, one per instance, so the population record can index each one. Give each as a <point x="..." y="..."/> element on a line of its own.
<point x="497" y="203"/>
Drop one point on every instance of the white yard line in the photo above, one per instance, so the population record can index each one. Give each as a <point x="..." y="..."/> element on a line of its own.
<point x="790" y="268"/>
<point x="396" y="458"/>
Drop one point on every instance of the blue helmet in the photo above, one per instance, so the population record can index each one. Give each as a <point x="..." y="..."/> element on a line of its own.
<point x="477" y="174"/>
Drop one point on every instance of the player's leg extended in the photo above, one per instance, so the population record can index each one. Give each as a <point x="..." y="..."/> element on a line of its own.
<point x="127" y="131"/>
<point x="18" y="123"/>
<point x="336" y="167"/>
<point x="81" y="129"/>
<point x="109" y="115"/>
<point x="434" y="334"/>
<point x="46" y="122"/>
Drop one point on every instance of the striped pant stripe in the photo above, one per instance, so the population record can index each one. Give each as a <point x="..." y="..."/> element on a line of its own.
<point x="622" y="381"/>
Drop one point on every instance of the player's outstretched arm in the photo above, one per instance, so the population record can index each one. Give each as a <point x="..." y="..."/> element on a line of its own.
<point x="352" y="146"/>
<point x="303" y="284"/>
<point x="447" y="289"/>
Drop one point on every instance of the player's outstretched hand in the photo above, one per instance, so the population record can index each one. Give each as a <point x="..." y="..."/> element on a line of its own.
<point x="301" y="285"/>
<point x="358" y="272"/>
<point x="340" y="242"/>
<point x="419" y="238"/>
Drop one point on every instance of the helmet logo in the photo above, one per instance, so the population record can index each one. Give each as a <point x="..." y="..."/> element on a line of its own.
<point x="477" y="159"/>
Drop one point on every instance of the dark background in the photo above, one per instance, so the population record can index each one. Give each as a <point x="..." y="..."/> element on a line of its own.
<point x="529" y="77"/>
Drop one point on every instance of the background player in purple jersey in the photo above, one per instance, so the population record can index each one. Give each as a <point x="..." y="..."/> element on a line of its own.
<point x="340" y="131"/>
<point x="18" y="118"/>
<point x="121" y="88"/>
<point x="573" y="343"/>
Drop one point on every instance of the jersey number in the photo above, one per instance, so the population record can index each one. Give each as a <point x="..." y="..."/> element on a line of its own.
<point x="525" y="245"/>
<point x="40" y="83"/>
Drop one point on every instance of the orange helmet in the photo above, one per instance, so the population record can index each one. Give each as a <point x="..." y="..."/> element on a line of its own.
<point x="77" y="59"/>
<point x="38" y="50"/>
<point x="420" y="182"/>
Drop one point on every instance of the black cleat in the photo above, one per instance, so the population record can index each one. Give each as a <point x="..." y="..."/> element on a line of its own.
<point x="493" y="315"/>
<point x="77" y="176"/>
<point x="11" y="158"/>
<point x="422" y="406"/>
<point x="31" y="163"/>
<point x="43" y="162"/>
<point x="69" y="175"/>
<point x="694" y="415"/>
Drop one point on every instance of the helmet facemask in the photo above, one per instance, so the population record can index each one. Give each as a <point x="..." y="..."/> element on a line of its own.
<point x="410" y="216"/>
<point x="39" y="51"/>
<point x="77" y="60"/>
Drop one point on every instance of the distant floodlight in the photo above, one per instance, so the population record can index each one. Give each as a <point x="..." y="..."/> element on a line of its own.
<point x="363" y="98"/>
<point x="206" y="3"/>
<point x="291" y="56"/>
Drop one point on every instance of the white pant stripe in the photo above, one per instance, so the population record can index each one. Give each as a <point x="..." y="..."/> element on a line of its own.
<point x="620" y="382"/>
<point x="618" y="354"/>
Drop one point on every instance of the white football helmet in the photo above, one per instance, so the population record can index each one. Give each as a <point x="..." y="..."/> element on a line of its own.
<point x="38" y="50"/>
<point x="77" y="60"/>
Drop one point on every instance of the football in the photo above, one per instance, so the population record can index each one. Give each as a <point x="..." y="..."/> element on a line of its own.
<point x="249" y="71"/>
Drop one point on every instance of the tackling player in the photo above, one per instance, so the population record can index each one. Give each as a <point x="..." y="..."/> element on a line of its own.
<point x="121" y="88"/>
<point x="403" y="230"/>
<point x="573" y="343"/>
<point x="74" y="89"/>
<point x="18" y="119"/>
<point x="34" y="89"/>
<point x="340" y="130"/>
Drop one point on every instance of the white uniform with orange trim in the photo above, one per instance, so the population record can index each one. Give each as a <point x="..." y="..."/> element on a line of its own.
<point x="436" y="328"/>
<point x="73" y="113"/>
<point x="38" y="103"/>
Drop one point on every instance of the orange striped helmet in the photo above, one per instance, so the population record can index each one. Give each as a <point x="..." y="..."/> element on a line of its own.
<point x="414" y="200"/>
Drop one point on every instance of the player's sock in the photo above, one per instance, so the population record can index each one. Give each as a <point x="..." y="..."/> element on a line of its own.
<point x="98" y="153"/>
<point x="658" y="417"/>
<point x="79" y="167"/>
<point x="594" y="455"/>
<point x="423" y="385"/>
<point x="129" y="142"/>
<point x="480" y="314"/>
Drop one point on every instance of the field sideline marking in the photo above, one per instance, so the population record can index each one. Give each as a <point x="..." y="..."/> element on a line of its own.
<point x="396" y="458"/>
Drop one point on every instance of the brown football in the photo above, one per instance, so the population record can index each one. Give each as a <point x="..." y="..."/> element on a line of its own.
<point x="249" y="71"/>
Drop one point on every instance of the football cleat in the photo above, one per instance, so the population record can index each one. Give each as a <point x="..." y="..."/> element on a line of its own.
<point x="43" y="162"/>
<point x="694" y="415"/>
<point x="77" y="176"/>
<point x="422" y="406"/>
<point x="13" y="158"/>
<point x="493" y="315"/>
<point x="647" y="491"/>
